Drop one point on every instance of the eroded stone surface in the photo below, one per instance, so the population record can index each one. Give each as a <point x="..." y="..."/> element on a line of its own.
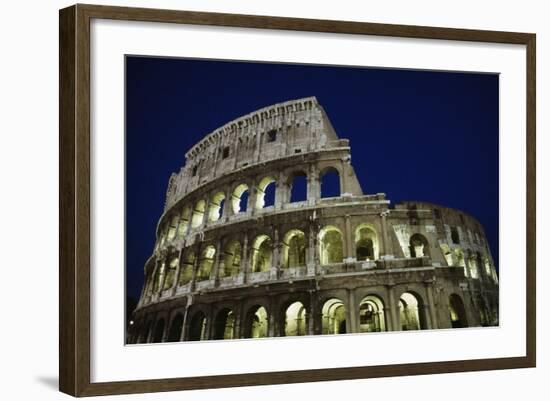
<point x="228" y="265"/>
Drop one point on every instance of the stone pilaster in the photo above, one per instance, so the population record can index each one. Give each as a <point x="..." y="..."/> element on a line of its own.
<point x="348" y="241"/>
<point x="313" y="186"/>
<point x="276" y="256"/>
<point x="386" y="251"/>
<point x="280" y="191"/>
<point x="193" y="281"/>
<point x="216" y="268"/>
<point x="431" y="303"/>
<point x="394" y="311"/>
<point x="352" y="311"/>
<point x="244" y="268"/>
<point x="312" y="249"/>
<point x="178" y="272"/>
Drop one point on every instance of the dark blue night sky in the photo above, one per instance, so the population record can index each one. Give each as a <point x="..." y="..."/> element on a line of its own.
<point x="414" y="135"/>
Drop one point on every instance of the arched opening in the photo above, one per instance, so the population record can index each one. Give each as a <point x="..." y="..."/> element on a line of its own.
<point x="150" y="280"/>
<point x="265" y="196"/>
<point x="172" y="227"/>
<point x="371" y="315"/>
<point x="198" y="213"/>
<point x="334" y="317"/>
<point x="447" y="253"/>
<point x="144" y="335"/>
<point x="159" y="277"/>
<point x="484" y="315"/>
<point x="411" y="314"/>
<point x="419" y="246"/>
<point x="294" y="249"/>
<point x="261" y="254"/>
<point x="197" y="328"/>
<point x="256" y="323"/>
<point x="174" y="333"/>
<point x="487" y="266"/>
<point x="459" y="259"/>
<point x="171" y="272"/>
<point x="295" y="320"/>
<point x="480" y="265"/>
<point x="161" y="239"/>
<point x="186" y="272"/>
<point x="231" y="259"/>
<point x="184" y="222"/>
<point x="159" y="331"/>
<point x="331" y="245"/>
<point x="239" y="199"/>
<point x="366" y="243"/>
<point x="472" y="265"/>
<point x="205" y="263"/>
<point x="215" y="210"/>
<point x="224" y="325"/>
<point x="457" y="312"/>
<point x="298" y="187"/>
<point x="330" y="183"/>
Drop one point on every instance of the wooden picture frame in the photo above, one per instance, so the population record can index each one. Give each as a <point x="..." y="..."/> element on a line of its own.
<point x="75" y="207"/>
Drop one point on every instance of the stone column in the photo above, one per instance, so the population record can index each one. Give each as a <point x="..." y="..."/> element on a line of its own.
<point x="228" y="207"/>
<point x="204" y="222"/>
<point x="343" y="178"/>
<point x="431" y="303"/>
<point x="388" y="319"/>
<point x="151" y="332"/>
<point x="276" y="256"/>
<point x="311" y="313"/>
<point x="192" y="283"/>
<point x="313" y="187"/>
<point x="238" y="325"/>
<point x="352" y="308"/>
<point x="221" y="268"/>
<point x="251" y="202"/>
<point x="272" y="329"/>
<point x="151" y="283"/>
<point x="216" y="267"/>
<point x="178" y="271"/>
<point x="215" y="155"/>
<point x="143" y="292"/>
<point x="312" y="249"/>
<point x="209" y="326"/>
<point x="280" y="191"/>
<point x="162" y="276"/>
<point x="348" y="238"/>
<point x="176" y="232"/>
<point x="166" y="329"/>
<point x="189" y="221"/>
<point x="386" y="251"/>
<point x="257" y="149"/>
<point x="184" y="327"/>
<point x="244" y="269"/>
<point x="393" y="309"/>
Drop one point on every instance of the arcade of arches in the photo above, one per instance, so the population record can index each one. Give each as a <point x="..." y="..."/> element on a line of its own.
<point x="267" y="232"/>
<point x="294" y="318"/>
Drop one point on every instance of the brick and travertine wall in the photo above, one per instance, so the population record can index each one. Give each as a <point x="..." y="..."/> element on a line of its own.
<point x="228" y="265"/>
<point x="279" y="131"/>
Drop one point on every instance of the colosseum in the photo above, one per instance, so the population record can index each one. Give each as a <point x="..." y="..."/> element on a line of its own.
<point x="242" y="252"/>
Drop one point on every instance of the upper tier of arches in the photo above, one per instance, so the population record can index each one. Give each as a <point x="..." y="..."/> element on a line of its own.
<point x="261" y="190"/>
<point x="297" y="127"/>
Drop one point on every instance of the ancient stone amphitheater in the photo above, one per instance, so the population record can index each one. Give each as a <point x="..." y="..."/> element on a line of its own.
<point x="250" y="245"/>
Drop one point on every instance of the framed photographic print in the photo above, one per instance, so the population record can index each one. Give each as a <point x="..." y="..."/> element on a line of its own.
<point x="347" y="200"/>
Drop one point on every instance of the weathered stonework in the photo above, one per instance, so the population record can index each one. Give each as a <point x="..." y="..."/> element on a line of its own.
<point x="229" y="266"/>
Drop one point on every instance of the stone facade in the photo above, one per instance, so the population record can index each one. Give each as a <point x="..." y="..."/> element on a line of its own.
<point x="228" y="264"/>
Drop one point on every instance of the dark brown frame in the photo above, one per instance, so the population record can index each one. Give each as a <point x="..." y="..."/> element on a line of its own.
<point x="74" y="200"/>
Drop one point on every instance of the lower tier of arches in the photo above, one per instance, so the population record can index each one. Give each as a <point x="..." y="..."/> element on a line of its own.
<point x="303" y="308"/>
